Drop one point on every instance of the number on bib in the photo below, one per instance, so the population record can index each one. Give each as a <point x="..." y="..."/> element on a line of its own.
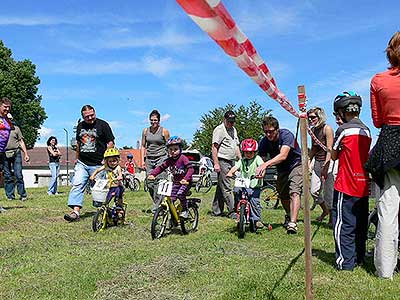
<point x="165" y="188"/>
<point x="100" y="184"/>
<point x="242" y="182"/>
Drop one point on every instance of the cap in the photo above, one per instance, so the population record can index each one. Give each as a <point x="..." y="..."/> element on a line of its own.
<point x="230" y="116"/>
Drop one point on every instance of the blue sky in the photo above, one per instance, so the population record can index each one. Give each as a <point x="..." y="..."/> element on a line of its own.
<point x="128" y="57"/>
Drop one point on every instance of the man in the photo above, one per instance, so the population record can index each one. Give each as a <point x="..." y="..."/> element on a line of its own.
<point x="285" y="154"/>
<point x="93" y="137"/>
<point x="225" y="151"/>
<point x="5" y="128"/>
<point x="13" y="163"/>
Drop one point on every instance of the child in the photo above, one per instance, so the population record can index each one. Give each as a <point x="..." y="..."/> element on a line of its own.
<point x="114" y="175"/>
<point x="350" y="198"/>
<point x="130" y="164"/>
<point x="181" y="170"/>
<point x="247" y="167"/>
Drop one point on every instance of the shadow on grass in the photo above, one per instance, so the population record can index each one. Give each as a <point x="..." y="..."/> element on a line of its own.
<point x="13" y="207"/>
<point x="88" y="214"/>
<point x="289" y="267"/>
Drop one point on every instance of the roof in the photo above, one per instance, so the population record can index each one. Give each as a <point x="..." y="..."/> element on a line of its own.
<point x="39" y="157"/>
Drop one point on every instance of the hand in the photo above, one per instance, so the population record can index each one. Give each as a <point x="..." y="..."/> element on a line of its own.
<point x="229" y="175"/>
<point x="92" y="178"/>
<point x="260" y="171"/>
<point x="184" y="181"/>
<point x="27" y="158"/>
<point x="151" y="177"/>
<point x="217" y="168"/>
<point x="324" y="171"/>
<point x="119" y="177"/>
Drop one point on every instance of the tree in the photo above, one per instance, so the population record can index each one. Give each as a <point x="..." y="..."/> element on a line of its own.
<point x="19" y="83"/>
<point x="248" y="124"/>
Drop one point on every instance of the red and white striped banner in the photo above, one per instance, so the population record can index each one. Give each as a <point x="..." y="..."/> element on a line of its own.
<point x="212" y="17"/>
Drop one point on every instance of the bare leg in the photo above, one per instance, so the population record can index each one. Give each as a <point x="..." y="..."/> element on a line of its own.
<point x="294" y="207"/>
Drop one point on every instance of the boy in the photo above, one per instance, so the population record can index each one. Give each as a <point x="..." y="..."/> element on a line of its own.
<point x="350" y="199"/>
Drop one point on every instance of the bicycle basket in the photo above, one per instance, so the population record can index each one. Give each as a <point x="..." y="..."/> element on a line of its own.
<point x="99" y="192"/>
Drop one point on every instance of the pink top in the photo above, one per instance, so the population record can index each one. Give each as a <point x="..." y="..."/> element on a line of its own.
<point x="385" y="98"/>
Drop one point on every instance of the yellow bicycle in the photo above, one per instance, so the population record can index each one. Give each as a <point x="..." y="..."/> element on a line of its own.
<point x="167" y="216"/>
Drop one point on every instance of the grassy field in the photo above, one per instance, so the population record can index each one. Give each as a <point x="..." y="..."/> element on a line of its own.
<point x="43" y="257"/>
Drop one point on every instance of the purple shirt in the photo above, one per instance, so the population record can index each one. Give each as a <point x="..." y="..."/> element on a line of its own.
<point x="180" y="168"/>
<point x="5" y="128"/>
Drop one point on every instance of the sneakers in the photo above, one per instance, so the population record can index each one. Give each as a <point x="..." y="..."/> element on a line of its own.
<point x="184" y="214"/>
<point x="2" y="209"/>
<point x="24" y="198"/>
<point x="259" y="225"/>
<point x="72" y="217"/>
<point x="286" y="222"/>
<point x="291" y="228"/>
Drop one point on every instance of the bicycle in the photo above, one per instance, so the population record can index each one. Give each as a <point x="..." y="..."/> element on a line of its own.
<point x="270" y="195"/>
<point x="130" y="181"/>
<point x="167" y="214"/>
<point x="204" y="184"/>
<point x="105" y="215"/>
<point x="243" y="207"/>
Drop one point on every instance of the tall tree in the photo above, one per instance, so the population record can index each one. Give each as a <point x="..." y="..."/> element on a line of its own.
<point x="248" y="124"/>
<point x="19" y="83"/>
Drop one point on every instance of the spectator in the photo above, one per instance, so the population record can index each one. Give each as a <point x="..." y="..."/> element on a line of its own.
<point x="284" y="152"/>
<point x="384" y="162"/>
<point x="13" y="163"/>
<point x="93" y="137"/>
<point x="350" y="200"/>
<point x="324" y="133"/>
<point x="225" y="151"/>
<point x="5" y="128"/>
<point x="54" y="164"/>
<point x="154" y="152"/>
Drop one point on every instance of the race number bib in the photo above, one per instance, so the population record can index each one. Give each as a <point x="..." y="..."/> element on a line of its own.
<point x="242" y="182"/>
<point x="165" y="188"/>
<point x="100" y="184"/>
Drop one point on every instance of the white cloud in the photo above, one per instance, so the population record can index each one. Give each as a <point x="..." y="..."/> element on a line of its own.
<point x="45" y="132"/>
<point x="165" y="117"/>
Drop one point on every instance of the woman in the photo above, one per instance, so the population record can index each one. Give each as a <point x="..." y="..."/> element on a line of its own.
<point x="154" y="152"/>
<point x="54" y="164"/>
<point x="384" y="161"/>
<point x="324" y="133"/>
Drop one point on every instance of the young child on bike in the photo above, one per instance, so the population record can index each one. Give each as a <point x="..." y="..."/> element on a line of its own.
<point x="114" y="175"/>
<point x="130" y="164"/>
<point x="181" y="170"/>
<point x="247" y="167"/>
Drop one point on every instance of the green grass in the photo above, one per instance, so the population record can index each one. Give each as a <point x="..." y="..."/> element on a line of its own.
<point x="43" y="257"/>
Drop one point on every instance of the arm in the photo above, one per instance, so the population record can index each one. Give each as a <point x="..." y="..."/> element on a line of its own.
<point x="189" y="173"/>
<point x="376" y="108"/>
<point x="232" y="171"/>
<point x="166" y="134"/>
<point x="119" y="170"/>
<point x="329" y="143"/>
<point x="284" y="152"/>
<point x="97" y="171"/>
<point x="214" y="149"/>
<point x="143" y="151"/>
<point x="23" y="148"/>
<point x="238" y="153"/>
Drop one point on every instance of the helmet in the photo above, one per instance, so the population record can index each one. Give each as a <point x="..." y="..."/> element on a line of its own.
<point x="348" y="101"/>
<point x="130" y="155"/>
<point x="174" y="140"/>
<point x="111" y="152"/>
<point x="249" y="145"/>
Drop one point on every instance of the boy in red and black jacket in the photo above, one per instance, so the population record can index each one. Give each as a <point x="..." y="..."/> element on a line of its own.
<point x="350" y="199"/>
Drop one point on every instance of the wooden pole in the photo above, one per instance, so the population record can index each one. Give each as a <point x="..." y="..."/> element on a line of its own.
<point x="301" y="94"/>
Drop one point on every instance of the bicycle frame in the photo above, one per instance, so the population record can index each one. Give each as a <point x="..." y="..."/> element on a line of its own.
<point x="244" y="200"/>
<point x="171" y="209"/>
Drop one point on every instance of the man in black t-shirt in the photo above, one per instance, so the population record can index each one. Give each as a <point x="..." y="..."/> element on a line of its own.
<point x="93" y="137"/>
<point x="281" y="147"/>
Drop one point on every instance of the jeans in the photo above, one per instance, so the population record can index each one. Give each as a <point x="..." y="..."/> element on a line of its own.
<point x="55" y="171"/>
<point x="10" y="164"/>
<point x="81" y="178"/>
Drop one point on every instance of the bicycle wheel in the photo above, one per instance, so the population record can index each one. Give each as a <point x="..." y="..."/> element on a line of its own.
<point x="159" y="223"/>
<point x="145" y="187"/>
<point x="99" y="219"/>
<point x="270" y="196"/>
<point x="192" y="222"/>
<point x="204" y="185"/>
<point x="372" y="227"/>
<point x="242" y="221"/>
<point x="136" y="184"/>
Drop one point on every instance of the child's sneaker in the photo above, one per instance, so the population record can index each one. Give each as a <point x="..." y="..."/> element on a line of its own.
<point x="184" y="214"/>
<point x="259" y="225"/>
<point x="291" y="228"/>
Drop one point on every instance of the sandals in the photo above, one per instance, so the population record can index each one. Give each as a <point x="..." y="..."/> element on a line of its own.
<point x="72" y="217"/>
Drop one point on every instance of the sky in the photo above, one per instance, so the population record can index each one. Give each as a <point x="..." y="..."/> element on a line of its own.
<point x="127" y="58"/>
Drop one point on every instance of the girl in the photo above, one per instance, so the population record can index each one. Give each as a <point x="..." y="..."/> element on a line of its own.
<point x="54" y="164"/>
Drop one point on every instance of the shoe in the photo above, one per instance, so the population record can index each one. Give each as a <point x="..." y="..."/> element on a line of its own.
<point x="24" y="198"/>
<point x="286" y="222"/>
<point x="291" y="228"/>
<point x="2" y="209"/>
<point x="232" y="216"/>
<point x="184" y="214"/>
<point x="72" y="217"/>
<point x="259" y="225"/>
<point x="216" y="215"/>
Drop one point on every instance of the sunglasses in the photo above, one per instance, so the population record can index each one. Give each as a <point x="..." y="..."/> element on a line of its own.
<point x="312" y="117"/>
<point x="270" y="131"/>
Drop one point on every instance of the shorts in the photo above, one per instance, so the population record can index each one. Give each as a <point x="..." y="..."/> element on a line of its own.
<point x="290" y="182"/>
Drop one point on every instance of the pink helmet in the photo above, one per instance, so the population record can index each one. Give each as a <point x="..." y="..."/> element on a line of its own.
<point x="249" y="145"/>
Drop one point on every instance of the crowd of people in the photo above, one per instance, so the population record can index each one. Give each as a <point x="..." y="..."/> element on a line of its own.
<point x="340" y="163"/>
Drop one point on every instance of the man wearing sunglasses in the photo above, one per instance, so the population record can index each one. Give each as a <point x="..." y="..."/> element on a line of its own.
<point x="225" y="151"/>
<point x="281" y="149"/>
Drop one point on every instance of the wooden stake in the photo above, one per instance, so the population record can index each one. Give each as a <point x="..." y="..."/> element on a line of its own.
<point x="301" y="93"/>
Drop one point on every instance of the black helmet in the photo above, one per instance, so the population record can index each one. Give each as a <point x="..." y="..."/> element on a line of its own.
<point x="348" y="101"/>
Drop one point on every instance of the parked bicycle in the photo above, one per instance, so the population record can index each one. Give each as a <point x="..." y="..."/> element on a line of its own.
<point x="130" y="181"/>
<point x="105" y="215"/>
<point x="204" y="184"/>
<point x="167" y="216"/>
<point x="243" y="207"/>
